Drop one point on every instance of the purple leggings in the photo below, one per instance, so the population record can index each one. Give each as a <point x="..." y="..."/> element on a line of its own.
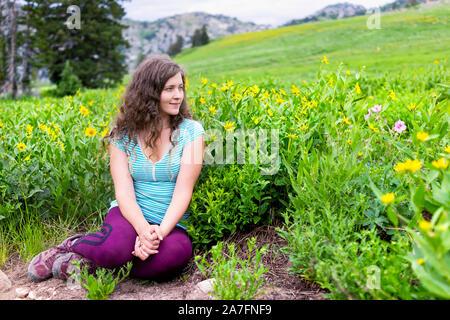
<point x="112" y="246"/>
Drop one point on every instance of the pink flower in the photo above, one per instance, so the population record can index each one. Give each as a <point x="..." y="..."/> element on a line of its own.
<point x="367" y="116"/>
<point x="399" y="126"/>
<point x="376" y="108"/>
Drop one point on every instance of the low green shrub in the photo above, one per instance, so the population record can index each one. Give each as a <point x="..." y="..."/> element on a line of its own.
<point x="103" y="283"/>
<point x="234" y="278"/>
<point x="227" y="198"/>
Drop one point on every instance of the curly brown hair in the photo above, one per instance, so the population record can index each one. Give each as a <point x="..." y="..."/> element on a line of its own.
<point x="140" y="105"/>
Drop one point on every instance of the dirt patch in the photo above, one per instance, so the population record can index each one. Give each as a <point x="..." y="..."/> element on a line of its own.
<point x="279" y="284"/>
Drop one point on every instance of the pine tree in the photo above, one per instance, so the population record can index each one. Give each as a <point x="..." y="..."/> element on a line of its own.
<point x="204" y="38"/>
<point x="196" y="41"/>
<point x="176" y="47"/>
<point x="69" y="83"/>
<point x="96" y="49"/>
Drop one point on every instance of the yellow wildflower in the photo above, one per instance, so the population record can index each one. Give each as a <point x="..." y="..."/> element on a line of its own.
<point x="357" y="88"/>
<point x="292" y="136"/>
<point x="27" y="158"/>
<point x="21" y="146"/>
<point x="422" y="136"/>
<point x="1" y="125"/>
<point x="412" y="107"/>
<point x="202" y="100"/>
<point x="29" y="129"/>
<point x="330" y="82"/>
<point x="104" y="132"/>
<point x="408" y="165"/>
<point x="224" y="88"/>
<point x="84" y="111"/>
<point x="360" y="154"/>
<point x="372" y="127"/>
<point x="325" y="60"/>
<point x="90" y="132"/>
<point x="388" y="198"/>
<point x="349" y="141"/>
<point x="61" y="145"/>
<point x="214" y="85"/>
<point x="420" y="261"/>
<point x="436" y="61"/>
<point x="392" y="95"/>
<point x="413" y="165"/>
<point x="425" y="225"/>
<point x="212" y="110"/>
<point x="440" y="164"/>
<point x="270" y="113"/>
<point x="295" y="90"/>
<point x="347" y="72"/>
<point x="186" y="82"/>
<point x="345" y="119"/>
<point x="204" y="80"/>
<point x="400" y="167"/>
<point x="229" y="125"/>
<point x="447" y="149"/>
<point x="279" y="99"/>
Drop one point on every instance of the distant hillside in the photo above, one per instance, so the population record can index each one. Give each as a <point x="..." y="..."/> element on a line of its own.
<point x="331" y="12"/>
<point x="408" y="40"/>
<point x="157" y="36"/>
<point x="346" y="10"/>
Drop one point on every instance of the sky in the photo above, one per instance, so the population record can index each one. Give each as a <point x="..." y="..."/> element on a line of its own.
<point x="272" y="12"/>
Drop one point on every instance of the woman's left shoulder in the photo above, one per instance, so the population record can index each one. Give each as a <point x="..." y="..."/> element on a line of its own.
<point x="190" y="124"/>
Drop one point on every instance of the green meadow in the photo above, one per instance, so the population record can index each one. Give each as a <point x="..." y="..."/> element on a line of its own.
<point x="405" y="42"/>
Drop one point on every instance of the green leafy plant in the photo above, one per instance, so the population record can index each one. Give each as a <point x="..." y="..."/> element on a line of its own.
<point x="226" y="199"/>
<point x="430" y="258"/>
<point x="101" y="285"/>
<point x="234" y="278"/>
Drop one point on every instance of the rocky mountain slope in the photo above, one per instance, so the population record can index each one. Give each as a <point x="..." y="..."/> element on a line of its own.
<point x="346" y="10"/>
<point x="157" y="36"/>
<point x="331" y="12"/>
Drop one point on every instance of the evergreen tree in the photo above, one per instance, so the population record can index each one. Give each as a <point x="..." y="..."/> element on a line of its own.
<point x="196" y="38"/>
<point x="96" y="49"/>
<point x="204" y="38"/>
<point x="69" y="83"/>
<point x="176" y="47"/>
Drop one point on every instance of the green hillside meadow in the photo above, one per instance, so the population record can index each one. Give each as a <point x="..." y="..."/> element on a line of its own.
<point x="408" y="40"/>
<point x="361" y="190"/>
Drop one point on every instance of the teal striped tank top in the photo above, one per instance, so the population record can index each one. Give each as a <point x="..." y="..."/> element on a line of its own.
<point x="154" y="183"/>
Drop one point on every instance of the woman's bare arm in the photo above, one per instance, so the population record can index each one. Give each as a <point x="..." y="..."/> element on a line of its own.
<point x="190" y="167"/>
<point x="126" y="198"/>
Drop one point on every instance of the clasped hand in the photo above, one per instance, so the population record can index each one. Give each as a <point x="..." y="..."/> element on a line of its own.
<point x="147" y="242"/>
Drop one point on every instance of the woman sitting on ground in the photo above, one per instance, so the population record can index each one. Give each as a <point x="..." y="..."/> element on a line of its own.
<point x="156" y="155"/>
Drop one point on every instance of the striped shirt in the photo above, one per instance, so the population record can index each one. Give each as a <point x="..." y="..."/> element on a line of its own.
<point x="154" y="183"/>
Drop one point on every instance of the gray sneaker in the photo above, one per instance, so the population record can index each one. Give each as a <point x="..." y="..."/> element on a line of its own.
<point x="40" y="267"/>
<point x="63" y="267"/>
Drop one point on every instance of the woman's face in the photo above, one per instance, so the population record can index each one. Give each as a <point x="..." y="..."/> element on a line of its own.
<point x="171" y="96"/>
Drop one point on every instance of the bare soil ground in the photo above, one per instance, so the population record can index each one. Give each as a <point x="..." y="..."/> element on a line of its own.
<point x="279" y="284"/>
